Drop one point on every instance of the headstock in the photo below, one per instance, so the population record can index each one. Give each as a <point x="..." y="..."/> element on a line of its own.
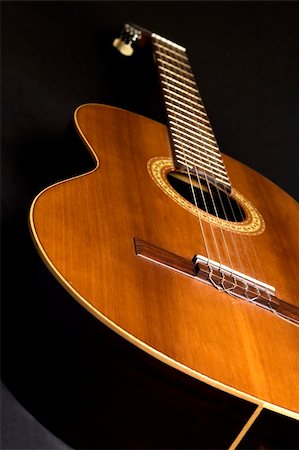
<point x="130" y="36"/>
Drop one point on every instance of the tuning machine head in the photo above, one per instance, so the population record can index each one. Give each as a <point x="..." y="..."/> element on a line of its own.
<point x="129" y="35"/>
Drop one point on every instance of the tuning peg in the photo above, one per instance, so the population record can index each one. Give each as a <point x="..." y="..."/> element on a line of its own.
<point x="122" y="47"/>
<point x="128" y="36"/>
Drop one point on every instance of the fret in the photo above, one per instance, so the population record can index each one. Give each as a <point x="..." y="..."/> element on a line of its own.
<point x="180" y="83"/>
<point x="184" y="163"/>
<point x="193" y="141"/>
<point x="190" y="164"/>
<point x="167" y="42"/>
<point x="187" y="107"/>
<point x="205" y="146"/>
<point x="189" y="101"/>
<point x="171" y="50"/>
<point x="172" y="59"/>
<point x="186" y="120"/>
<point x="203" y="128"/>
<point x="181" y="77"/>
<point x="174" y="67"/>
<point x="219" y="172"/>
<point x="193" y="150"/>
<point x="194" y="138"/>
<point x="176" y="85"/>
<point x="195" y="144"/>
<point x="193" y="163"/>
<point x="215" y="163"/>
<point x="197" y="150"/>
<point x="196" y="128"/>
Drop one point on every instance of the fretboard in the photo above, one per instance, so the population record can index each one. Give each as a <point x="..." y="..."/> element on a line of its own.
<point x="193" y="142"/>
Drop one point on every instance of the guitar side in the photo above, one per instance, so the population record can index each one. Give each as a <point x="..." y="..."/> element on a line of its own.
<point x="85" y="227"/>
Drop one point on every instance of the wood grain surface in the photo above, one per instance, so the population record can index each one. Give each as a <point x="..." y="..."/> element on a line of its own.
<point x="85" y="227"/>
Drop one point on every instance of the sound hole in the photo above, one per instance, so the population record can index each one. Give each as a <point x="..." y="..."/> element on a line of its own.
<point x="208" y="198"/>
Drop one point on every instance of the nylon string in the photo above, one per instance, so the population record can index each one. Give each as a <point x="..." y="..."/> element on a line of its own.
<point x="216" y="211"/>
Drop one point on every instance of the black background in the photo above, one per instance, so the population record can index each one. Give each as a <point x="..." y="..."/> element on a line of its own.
<point x="58" y="55"/>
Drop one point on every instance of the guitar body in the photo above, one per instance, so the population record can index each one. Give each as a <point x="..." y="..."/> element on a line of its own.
<point x="85" y="228"/>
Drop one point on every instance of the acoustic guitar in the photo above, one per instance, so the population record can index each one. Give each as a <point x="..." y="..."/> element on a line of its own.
<point x="183" y="251"/>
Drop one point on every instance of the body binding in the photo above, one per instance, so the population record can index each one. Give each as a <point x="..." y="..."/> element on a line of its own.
<point x="85" y="227"/>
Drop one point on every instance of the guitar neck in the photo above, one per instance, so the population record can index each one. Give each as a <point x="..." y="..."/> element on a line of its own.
<point x="194" y="144"/>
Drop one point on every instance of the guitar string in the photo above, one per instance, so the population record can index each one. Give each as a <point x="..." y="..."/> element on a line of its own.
<point x="203" y="198"/>
<point x="253" y="271"/>
<point x="257" y="259"/>
<point x="232" y="210"/>
<point x="233" y="239"/>
<point x="236" y="252"/>
<point x="206" y="246"/>
<point x="224" y="211"/>
<point x="211" y="195"/>
<point x="234" y="243"/>
<point x="241" y="237"/>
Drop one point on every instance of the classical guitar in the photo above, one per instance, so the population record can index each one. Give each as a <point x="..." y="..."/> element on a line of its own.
<point x="183" y="251"/>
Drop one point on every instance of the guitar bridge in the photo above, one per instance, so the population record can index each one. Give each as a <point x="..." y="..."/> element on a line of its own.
<point x="221" y="277"/>
<point x="231" y="281"/>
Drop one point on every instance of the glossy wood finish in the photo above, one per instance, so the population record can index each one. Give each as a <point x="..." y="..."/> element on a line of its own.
<point x="235" y="287"/>
<point x="85" y="227"/>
